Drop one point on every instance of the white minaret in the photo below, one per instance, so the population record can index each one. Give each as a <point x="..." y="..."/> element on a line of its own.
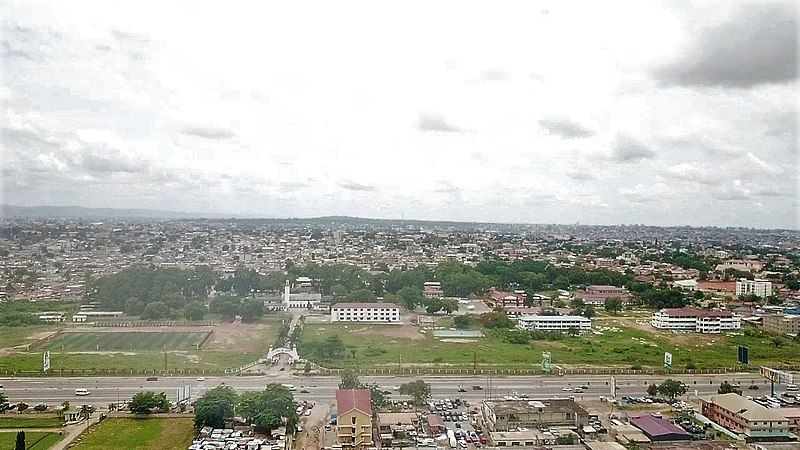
<point x="286" y="290"/>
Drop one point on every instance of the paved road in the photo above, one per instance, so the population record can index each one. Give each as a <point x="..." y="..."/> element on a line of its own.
<point x="111" y="389"/>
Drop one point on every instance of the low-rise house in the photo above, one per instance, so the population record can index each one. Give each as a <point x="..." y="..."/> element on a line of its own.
<point x="432" y="289"/>
<point x="782" y="324"/>
<point x="596" y="295"/>
<point x="660" y="429"/>
<point x="513" y="414"/>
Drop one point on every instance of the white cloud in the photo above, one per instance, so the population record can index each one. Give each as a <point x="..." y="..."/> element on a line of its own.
<point x="527" y="117"/>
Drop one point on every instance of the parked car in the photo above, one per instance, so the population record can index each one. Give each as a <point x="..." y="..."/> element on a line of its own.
<point x="152" y="378"/>
<point x="476" y="388"/>
<point x="82" y="392"/>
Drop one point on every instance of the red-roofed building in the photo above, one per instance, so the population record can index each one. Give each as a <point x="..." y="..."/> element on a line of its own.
<point x="699" y="320"/>
<point x="506" y="299"/>
<point x="354" y="418"/>
<point x="596" y="295"/>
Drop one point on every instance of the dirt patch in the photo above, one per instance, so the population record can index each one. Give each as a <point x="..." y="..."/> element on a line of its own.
<point x="681" y="339"/>
<point x="404" y="331"/>
<point x="239" y="337"/>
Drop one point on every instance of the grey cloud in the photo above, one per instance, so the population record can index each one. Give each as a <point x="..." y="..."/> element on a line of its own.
<point x="495" y="75"/>
<point x="12" y="52"/>
<point x="445" y="187"/>
<point x="565" y="127"/>
<point x="130" y="37"/>
<point x="111" y="162"/>
<point x="350" y="186"/>
<point x="582" y="175"/>
<point x="208" y="132"/>
<point x="757" y="46"/>
<point x="102" y="48"/>
<point x="292" y="186"/>
<point x="700" y="144"/>
<point x="628" y="149"/>
<point x="435" y="122"/>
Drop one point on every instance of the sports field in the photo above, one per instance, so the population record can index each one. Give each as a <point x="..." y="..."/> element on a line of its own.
<point x="125" y="341"/>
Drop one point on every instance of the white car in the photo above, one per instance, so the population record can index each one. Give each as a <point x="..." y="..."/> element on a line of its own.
<point x="567" y="389"/>
<point x="201" y="379"/>
<point x="82" y="392"/>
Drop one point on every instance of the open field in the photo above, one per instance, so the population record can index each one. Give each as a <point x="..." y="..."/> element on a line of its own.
<point x="138" y="434"/>
<point x="120" y="349"/>
<point x="125" y="341"/>
<point x="34" y="440"/>
<point x="615" y="345"/>
<point x="10" y="421"/>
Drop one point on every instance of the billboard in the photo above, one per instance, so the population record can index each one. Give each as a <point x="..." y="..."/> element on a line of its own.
<point x="46" y="361"/>
<point x="546" y="360"/>
<point x="777" y="376"/>
<point x="668" y="360"/>
<point x="744" y="355"/>
<point x="184" y="393"/>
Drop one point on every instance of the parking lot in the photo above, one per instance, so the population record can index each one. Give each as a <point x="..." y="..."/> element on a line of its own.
<point x="459" y="423"/>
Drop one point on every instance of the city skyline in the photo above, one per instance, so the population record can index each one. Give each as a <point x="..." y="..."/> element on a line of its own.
<point x="560" y="113"/>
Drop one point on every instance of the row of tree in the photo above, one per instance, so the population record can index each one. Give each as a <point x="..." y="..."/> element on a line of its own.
<point x="266" y="410"/>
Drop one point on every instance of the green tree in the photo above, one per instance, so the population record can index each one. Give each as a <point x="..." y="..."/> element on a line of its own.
<point x="214" y="407"/>
<point x="338" y="290"/>
<point x="156" y="310"/>
<point x="613" y="305"/>
<point x="350" y="380"/>
<point x="133" y="306"/>
<point x="20" y="442"/>
<point x="419" y="390"/>
<point x="726" y="388"/>
<point x="411" y="297"/>
<point x="361" y="295"/>
<point x="589" y="311"/>
<point x="252" y="309"/>
<point x="462" y="322"/>
<point x="3" y="402"/>
<point x="652" y="390"/>
<point x="672" y="388"/>
<point x="196" y="310"/>
<point x="269" y="408"/>
<point x="148" y="402"/>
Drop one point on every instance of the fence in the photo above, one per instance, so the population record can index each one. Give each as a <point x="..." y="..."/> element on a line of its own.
<point x="156" y="323"/>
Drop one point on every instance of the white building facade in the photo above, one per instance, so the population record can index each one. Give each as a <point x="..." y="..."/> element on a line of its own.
<point x="365" y="312"/>
<point x="553" y="323"/>
<point x="690" y="319"/>
<point x="759" y="288"/>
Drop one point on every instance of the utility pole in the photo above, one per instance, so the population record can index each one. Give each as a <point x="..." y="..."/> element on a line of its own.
<point x="474" y="360"/>
<point x="165" y="362"/>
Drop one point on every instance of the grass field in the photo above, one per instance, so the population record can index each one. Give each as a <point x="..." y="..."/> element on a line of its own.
<point x="34" y="440"/>
<point x="138" y="434"/>
<point x="229" y="346"/>
<point x="623" y="347"/>
<point x="125" y="341"/>
<point x="9" y="421"/>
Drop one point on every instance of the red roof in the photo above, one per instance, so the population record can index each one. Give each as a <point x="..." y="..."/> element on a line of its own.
<point x="655" y="427"/>
<point x="500" y="295"/>
<point x="435" y="421"/>
<point x="350" y="399"/>
<point x="692" y="312"/>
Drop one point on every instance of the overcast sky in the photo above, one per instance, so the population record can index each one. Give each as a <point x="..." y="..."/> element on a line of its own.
<point x="664" y="113"/>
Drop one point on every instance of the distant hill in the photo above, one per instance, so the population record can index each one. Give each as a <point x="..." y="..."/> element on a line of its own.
<point x="79" y="212"/>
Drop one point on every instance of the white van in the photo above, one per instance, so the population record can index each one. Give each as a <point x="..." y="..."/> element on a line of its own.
<point x="791" y="387"/>
<point x="289" y="387"/>
<point x="82" y="392"/>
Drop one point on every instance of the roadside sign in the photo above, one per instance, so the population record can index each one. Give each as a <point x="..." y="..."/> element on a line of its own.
<point x="546" y="360"/>
<point x="184" y="393"/>
<point x="777" y="376"/>
<point x="46" y="361"/>
<point x="744" y="355"/>
<point x="668" y="360"/>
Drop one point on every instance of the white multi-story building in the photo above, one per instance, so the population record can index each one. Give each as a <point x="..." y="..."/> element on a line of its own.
<point x="759" y="288"/>
<point x="365" y="312"/>
<point x="698" y="320"/>
<point x="553" y="323"/>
